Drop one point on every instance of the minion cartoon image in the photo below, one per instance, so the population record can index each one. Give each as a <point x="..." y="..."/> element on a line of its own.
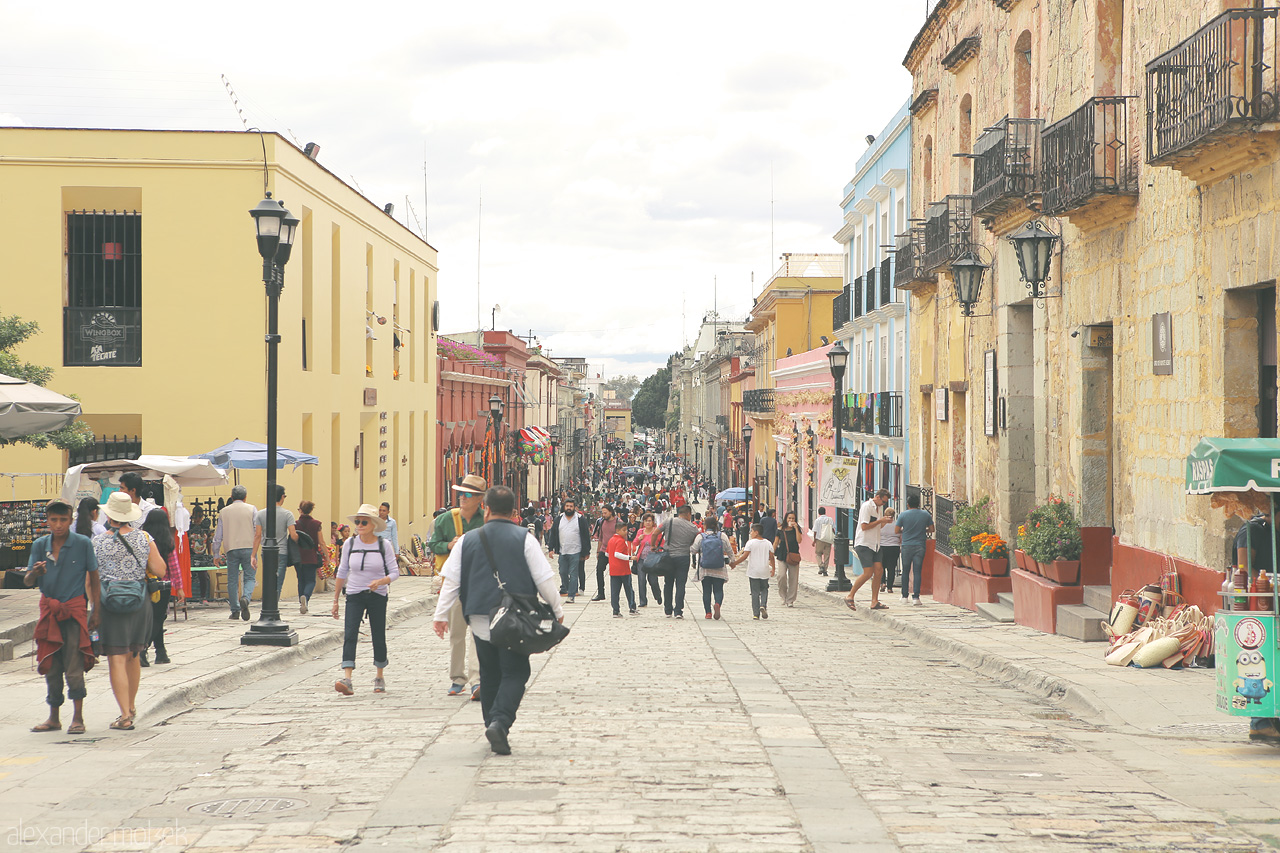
<point x="1251" y="677"/>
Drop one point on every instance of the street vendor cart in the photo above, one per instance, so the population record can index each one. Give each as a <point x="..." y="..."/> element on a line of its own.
<point x="1243" y="475"/>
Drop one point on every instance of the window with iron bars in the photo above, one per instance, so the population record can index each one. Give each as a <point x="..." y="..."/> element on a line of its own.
<point x="102" y="319"/>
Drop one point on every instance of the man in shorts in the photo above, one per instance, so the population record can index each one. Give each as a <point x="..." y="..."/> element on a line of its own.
<point x="866" y="545"/>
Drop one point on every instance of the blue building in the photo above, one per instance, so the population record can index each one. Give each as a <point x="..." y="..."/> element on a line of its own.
<point x="871" y="315"/>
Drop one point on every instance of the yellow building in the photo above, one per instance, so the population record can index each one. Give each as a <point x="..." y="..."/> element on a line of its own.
<point x="617" y="421"/>
<point x="134" y="250"/>
<point x="791" y="315"/>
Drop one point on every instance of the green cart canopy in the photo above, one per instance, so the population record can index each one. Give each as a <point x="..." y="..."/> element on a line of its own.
<point x="1234" y="465"/>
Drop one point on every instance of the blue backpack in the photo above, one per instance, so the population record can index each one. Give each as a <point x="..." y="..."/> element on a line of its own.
<point x="712" y="551"/>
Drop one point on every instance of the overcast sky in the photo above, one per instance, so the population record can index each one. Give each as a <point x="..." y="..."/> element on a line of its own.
<point x="626" y="156"/>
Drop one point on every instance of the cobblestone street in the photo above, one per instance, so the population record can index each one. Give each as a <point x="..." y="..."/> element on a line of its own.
<point x="813" y="730"/>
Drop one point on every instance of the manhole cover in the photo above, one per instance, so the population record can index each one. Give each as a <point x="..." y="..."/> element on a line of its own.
<point x="244" y="807"/>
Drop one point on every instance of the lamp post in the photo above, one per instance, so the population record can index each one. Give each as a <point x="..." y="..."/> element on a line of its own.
<point x="686" y="449"/>
<point x="747" y="429"/>
<point x="697" y="456"/>
<point x="275" y="228"/>
<point x="838" y="357"/>
<point x="495" y="412"/>
<point x="555" y="443"/>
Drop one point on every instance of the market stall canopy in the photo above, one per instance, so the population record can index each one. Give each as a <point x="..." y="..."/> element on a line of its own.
<point x="1234" y="465"/>
<point x="193" y="473"/>
<point x="735" y="494"/>
<point x="243" y="454"/>
<point x="27" y="408"/>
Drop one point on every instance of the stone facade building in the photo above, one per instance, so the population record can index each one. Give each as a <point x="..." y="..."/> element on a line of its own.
<point x="1144" y="134"/>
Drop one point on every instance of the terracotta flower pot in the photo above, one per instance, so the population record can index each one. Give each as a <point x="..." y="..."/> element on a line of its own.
<point x="1066" y="572"/>
<point x="957" y="561"/>
<point x="1023" y="561"/>
<point x="997" y="568"/>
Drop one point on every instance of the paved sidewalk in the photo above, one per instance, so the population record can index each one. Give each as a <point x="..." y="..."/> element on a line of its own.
<point x="1150" y="700"/>
<point x="207" y="656"/>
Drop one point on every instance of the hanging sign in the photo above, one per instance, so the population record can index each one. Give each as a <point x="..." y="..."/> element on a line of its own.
<point x="838" y="483"/>
<point x="1162" y="344"/>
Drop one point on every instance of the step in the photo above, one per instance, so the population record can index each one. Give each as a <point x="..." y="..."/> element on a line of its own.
<point x="1098" y="597"/>
<point x="1081" y="622"/>
<point x="6" y="649"/>
<point x="996" y="612"/>
<point x="1005" y="598"/>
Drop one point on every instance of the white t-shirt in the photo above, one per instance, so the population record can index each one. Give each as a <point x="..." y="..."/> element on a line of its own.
<point x="570" y="536"/>
<point x="758" y="551"/>
<point x="868" y="513"/>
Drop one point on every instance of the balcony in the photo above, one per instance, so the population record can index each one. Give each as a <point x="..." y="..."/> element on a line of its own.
<point x="869" y="301"/>
<point x="1207" y="97"/>
<point x="859" y="289"/>
<point x="840" y="309"/>
<point x="886" y="282"/>
<point x="1005" y="161"/>
<point x="874" y="414"/>
<point x="948" y="231"/>
<point x="759" y="401"/>
<point x="907" y="270"/>
<point x="1086" y="159"/>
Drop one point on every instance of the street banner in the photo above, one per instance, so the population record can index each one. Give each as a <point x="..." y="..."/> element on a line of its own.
<point x="838" y="485"/>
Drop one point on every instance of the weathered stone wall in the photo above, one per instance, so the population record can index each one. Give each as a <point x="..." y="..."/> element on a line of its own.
<point x="1103" y="428"/>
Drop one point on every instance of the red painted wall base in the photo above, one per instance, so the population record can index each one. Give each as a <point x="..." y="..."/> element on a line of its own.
<point x="941" y="571"/>
<point x="1136" y="567"/>
<point x="1036" y="600"/>
<point x="969" y="589"/>
<point x="1095" y="562"/>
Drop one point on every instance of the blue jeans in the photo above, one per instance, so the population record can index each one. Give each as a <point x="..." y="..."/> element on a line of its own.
<point x="238" y="560"/>
<point x="912" y="567"/>
<point x="359" y="605"/>
<point x="569" y="573"/>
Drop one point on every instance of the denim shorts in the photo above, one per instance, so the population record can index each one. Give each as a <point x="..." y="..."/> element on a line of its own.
<point x="866" y="556"/>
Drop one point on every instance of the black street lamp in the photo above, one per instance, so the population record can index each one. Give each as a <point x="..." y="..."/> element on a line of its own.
<point x="555" y="443"/>
<point x="686" y="449"/>
<point x="967" y="271"/>
<point x="838" y="357"/>
<point x="747" y="429"/>
<point x="275" y="228"/>
<point x="697" y="456"/>
<point x="1034" y="244"/>
<point x="495" y="412"/>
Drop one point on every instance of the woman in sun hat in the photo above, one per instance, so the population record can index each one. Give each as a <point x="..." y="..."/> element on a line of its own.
<point x="366" y="567"/>
<point x="125" y="555"/>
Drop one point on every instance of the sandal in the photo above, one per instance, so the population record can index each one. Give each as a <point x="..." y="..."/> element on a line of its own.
<point x="848" y="602"/>
<point x="122" y="724"/>
<point x="880" y="607"/>
<point x="75" y="729"/>
<point x="46" y="727"/>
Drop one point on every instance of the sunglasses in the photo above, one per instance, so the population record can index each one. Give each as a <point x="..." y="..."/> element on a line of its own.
<point x="361" y="522"/>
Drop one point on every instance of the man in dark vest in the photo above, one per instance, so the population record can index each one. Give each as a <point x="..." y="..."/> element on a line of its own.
<point x="469" y="578"/>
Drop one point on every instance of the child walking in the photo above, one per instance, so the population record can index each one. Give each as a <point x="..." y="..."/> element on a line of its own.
<point x="758" y="552"/>
<point x="619" y="552"/>
<point x="366" y="567"/>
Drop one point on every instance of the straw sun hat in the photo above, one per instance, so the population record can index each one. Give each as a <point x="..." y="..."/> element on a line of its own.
<point x="370" y="512"/>
<point x="472" y="484"/>
<point x="120" y="508"/>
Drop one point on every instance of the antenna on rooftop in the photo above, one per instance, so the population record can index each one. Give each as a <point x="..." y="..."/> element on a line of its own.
<point x="235" y="101"/>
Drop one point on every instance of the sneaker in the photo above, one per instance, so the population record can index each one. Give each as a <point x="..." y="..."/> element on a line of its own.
<point x="475" y="693"/>
<point x="244" y="608"/>
<point x="644" y="604"/>
<point x="679" y="615"/>
<point x="764" y="613"/>
<point x="619" y="615"/>
<point x="715" y="610"/>
<point x="916" y="602"/>
<point x="708" y="616"/>
<point x="598" y="598"/>
<point x="379" y="685"/>
<point x="457" y="689"/>
<point x="302" y="605"/>
<point x="756" y="616"/>
<point x="634" y="612"/>
<point x="343" y="686"/>
<point x="497" y="736"/>
<point x="668" y="615"/>
<point x="234" y="615"/>
<point x="571" y="599"/>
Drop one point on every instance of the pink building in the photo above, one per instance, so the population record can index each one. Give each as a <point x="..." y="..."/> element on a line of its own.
<point x="803" y="429"/>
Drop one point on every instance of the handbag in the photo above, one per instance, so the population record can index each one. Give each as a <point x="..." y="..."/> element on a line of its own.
<point x="654" y="561"/>
<point x="125" y="596"/>
<point x="295" y="548"/>
<point x="521" y="623"/>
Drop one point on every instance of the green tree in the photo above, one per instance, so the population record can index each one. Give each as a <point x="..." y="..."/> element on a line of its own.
<point x="13" y="332"/>
<point x="649" y="407"/>
<point x="624" y="386"/>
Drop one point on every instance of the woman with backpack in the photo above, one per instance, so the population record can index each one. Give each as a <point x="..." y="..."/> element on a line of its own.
<point x="366" y="567"/>
<point x="714" y="550"/>
<point x="124" y="557"/>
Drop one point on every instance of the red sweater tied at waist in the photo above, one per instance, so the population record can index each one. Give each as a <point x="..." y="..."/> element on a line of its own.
<point x="49" y="636"/>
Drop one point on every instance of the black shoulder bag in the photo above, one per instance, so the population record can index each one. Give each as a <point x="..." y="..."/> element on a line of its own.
<point x="521" y="623"/>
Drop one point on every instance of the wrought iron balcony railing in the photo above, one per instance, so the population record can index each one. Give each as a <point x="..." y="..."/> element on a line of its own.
<point x="869" y="301"/>
<point x="889" y="413"/>
<point x="1005" y="161"/>
<point x="1087" y="154"/>
<point x="908" y="257"/>
<point x="879" y="413"/>
<point x="1223" y="74"/>
<point x="759" y="401"/>
<point x="948" y="231"/>
<point x="886" y="281"/>
<point x="859" y="289"/>
<point x="840" y="309"/>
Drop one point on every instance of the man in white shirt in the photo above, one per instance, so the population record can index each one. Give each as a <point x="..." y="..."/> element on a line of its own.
<point x="824" y="534"/>
<point x="570" y="538"/>
<point x="866" y="545"/>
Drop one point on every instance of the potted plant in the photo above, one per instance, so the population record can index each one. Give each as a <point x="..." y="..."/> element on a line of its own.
<point x="1053" y="540"/>
<point x="995" y="555"/>
<point x="1020" y="555"/>
<point x="971" y="521"/>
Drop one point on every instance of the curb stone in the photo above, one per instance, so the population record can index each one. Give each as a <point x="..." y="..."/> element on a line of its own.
<point x="1019" y="675"/>
<point x="178" y="699"/>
